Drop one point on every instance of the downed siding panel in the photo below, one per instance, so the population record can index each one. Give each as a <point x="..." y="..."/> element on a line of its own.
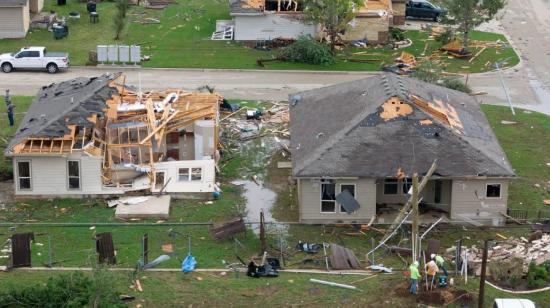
<point x="269" y="26"/>
<point x="184" y="185"/>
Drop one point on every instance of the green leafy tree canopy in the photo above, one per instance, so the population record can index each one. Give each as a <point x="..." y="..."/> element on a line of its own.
<point x="468" y="14"/>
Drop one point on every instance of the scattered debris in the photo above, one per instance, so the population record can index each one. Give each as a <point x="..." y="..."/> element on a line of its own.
<point x="333" y="284"/>
<point x="228" y="229"/>
<point x="342" y="258"/>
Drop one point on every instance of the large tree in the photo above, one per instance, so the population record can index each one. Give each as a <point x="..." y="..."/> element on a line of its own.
<point x="333" y="15"/>
<point x="468" y="14"/>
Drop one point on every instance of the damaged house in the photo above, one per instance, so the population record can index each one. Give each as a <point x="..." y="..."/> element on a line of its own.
<point x="258" y="20"/>
<point x="356" y="145"/>
<point x="98" y="136"/>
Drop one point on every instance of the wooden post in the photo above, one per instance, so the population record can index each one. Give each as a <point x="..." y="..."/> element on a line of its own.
<point x="263" y="243"/>
<point x="415" y="217"/>
<point x="481" y="296"/>
<point x="145" y="248"/>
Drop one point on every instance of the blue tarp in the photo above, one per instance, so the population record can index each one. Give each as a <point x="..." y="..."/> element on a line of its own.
<point x="188" y="264"/>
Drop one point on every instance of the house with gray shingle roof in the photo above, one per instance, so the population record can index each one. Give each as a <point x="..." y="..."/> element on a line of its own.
<point x="359" y="143"/>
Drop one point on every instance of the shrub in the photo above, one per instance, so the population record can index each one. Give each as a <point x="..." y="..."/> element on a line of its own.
<point x="67" y="290"/>
<point x="456" y="84"/>
<point x="538" y="276"/>
<point x="397" y="34"/>
<point x="446" y="37"/>
<point x="308" y="50"/>
<point x="431" y="73"/>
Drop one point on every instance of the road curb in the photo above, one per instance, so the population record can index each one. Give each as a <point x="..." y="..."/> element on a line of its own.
<point x="238" y="70"/>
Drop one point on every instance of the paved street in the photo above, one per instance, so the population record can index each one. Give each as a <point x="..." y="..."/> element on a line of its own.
<point x="526" y="22"/>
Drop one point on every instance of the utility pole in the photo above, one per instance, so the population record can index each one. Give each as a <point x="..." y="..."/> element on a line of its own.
<point x="497" y="66"/>
<point x="481" y="296"/>
<point x="415" y="250"/>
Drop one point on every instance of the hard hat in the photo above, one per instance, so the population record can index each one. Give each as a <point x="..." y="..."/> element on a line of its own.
<point x="432" y="255"/>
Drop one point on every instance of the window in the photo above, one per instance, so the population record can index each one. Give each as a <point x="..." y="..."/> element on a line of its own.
<point x="159" y="180"/>
<point x="34" y="54"/>
<point x="183" y="174"/>
<point x="493" y="190"/>
<point x="390" y="187"/>
<point x="351" y="189"/>
<point x="24" y="175"/>
<point x="23" y="54"/>
<point x="73" y="167"/>
<point x="407" y="185"/>
<point x="189" y="174"/>
<point x="328" y="198"/>
<point x="437" y="191"/>
<point x="196" y="174"/>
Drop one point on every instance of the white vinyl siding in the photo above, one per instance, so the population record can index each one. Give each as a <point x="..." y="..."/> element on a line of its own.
<point x="50" y="176"/>
<point x="270" y="26"/>
<point x="469" y="199"/>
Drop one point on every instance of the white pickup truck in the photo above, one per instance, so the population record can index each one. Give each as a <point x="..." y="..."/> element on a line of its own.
<point x="34" y="58"/>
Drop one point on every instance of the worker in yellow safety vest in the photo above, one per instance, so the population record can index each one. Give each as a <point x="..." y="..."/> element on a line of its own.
<point x="415" y="276"/>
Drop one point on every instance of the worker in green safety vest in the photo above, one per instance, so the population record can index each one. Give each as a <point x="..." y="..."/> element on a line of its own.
<point x="415" y="276"/>
<point x="440" y="262"/>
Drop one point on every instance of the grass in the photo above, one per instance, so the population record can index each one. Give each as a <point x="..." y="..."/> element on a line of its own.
<point x="526" y="145"/>
<point x="182" y="40"/>
<point x="21" y="104"/>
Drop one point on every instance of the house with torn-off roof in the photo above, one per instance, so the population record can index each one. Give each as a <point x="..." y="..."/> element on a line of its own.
<point x="356" y="145"/>
<point x="99" y="136"/>
<point x="257" y="20"/>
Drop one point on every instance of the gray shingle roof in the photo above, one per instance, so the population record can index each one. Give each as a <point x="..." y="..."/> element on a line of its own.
<point x="59" y="105"/>
<point x="337" y="131"/>
<point x="11" y="3"/>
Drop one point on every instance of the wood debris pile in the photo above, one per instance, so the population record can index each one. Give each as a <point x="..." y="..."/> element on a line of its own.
<point x="538" y="251"/>
<point x="250" y="123"/>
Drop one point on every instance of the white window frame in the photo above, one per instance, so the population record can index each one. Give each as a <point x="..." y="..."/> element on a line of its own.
<point x="18" y="177"/>
<point x="499" y="192"/>
<point x="384" y="187"/>
<point x="321" y="198"/>
<point x="340" y="190"/>
<point x="79" y="175"/>
<point x="190" y="174"/>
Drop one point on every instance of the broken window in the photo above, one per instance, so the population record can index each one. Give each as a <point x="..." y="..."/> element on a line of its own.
<point x="159" y="180"/>
<point x="73" y="167"/>
<point x="493" y="190"/>
<point x="407" y="184"/>
<point x="390" y="186"/>
<point x="283" y="5"/>
<point x="437" y="191"/>
<point x="196" y="174"/>
<point x="24" y="174"/>
<point x="328" y="198"/>
<point x="183" y="174"/>
<point x="351" y="189"/>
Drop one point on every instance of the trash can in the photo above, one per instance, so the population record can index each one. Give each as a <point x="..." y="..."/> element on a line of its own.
<point x="61" y="2"/>
<point x="60" y="32"/>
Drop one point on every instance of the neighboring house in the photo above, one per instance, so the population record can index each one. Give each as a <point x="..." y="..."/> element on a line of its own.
<point x="256" y="20"/>
<point x="97" y="136"/>
<point x="14" y="18"/>
<point x="368" y="137"/>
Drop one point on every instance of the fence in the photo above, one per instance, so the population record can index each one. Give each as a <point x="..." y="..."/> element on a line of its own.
<point x="523" y="214"/>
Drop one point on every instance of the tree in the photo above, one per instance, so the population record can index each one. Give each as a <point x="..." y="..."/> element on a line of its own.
<point x="468" y="14"/>
<point x="120" y="17"/>
<point x="333" y="15"/>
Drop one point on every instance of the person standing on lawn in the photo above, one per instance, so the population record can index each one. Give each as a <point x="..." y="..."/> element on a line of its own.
<point x="10" y="112"/>
<point x="415" y="276"/>
<point x="440" y="263"/>
<point x="431" y="271"/>
<point x="7" y="97"/>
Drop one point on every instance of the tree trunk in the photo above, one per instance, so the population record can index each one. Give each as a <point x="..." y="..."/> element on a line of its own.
<point x="465" y="38"/>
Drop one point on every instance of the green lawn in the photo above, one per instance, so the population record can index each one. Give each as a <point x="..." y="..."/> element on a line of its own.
<point x="182" y="40"/>
<point x="527" y="146"/>
<point x="21" y="104"/>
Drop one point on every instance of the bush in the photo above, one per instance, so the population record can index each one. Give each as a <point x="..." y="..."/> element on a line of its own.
<point x="538" y="275"/>
<point x="446" y="37"/>
<point x="68" y="290"/>
<point x="307" y="50"/>
<point x="397" y="34"/>
<point x="456" y="84"/>
<point x="431" y="73"/>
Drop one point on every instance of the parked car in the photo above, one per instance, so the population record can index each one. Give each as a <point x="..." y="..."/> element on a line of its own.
<point x="34" y="58"/>
<point x="424" y="9"/>
<point x="513" y="303"/>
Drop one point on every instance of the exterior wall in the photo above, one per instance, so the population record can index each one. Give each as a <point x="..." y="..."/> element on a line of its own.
<point x="309" y="195"/>
<point x="398" y="13"/>
<point x="427" y="195"/>
<point x="14" y="22"/>
<point x="49" y="176"/>
<point x="35" y="6"/>
<point x="469" y="199"/>
<point x="270" y="26"/>
<point x="206" y="184"/>
<point x="372" y="28"/>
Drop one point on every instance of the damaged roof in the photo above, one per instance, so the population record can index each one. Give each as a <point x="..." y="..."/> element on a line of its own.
<point x="68" y="103"/>
<point x="246" y="6"/>
<point x="376" y="126"/>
